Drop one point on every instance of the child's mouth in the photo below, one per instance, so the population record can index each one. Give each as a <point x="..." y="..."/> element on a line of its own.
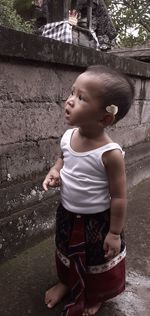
<point x="67" y="113"/>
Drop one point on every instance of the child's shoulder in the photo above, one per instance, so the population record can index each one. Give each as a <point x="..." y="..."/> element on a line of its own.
<point x="112" y="150"/>
<point x="111" y="146"/>
<point x="68" y="132"/>
<point x="67" y="135"/>
<point x="112" y="154"/>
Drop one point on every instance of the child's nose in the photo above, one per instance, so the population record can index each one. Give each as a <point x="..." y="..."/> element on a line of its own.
<point x="70" y="101"/>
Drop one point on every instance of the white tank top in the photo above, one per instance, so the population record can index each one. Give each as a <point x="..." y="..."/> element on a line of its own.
<point x="84" y="186"/>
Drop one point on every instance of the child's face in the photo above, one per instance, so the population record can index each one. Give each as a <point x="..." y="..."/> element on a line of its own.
<point x="83" y="106"/>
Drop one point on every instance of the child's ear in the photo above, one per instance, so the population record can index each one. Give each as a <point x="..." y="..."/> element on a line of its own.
<point x="107" y="120"/>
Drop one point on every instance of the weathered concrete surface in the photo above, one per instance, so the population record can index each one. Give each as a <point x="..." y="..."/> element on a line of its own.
<point x="18" y="44"/>
<point x="36" y="74"/>
<point x="27" y="212"/>
<point x="25" y="278"/>
<point x="141" y="52"/>
<point x="27" y="227"/>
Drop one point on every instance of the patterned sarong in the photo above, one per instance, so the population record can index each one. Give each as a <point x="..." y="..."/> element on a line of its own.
<point x="80" y="260"/>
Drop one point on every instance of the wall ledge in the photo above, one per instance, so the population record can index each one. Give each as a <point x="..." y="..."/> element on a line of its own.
<point x="15" y="44"/>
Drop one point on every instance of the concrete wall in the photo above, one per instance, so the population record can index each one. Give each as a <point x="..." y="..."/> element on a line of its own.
<point x="36" y="74"/>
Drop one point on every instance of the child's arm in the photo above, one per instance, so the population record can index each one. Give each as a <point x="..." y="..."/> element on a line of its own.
<point x="53" y="177"/>
<point x="115" y="169"/>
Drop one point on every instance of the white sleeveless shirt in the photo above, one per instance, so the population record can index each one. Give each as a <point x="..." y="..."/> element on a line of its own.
<point x="84" y="187"/>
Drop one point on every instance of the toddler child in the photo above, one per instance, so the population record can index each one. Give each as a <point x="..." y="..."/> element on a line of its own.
<point x="90" y="246"/>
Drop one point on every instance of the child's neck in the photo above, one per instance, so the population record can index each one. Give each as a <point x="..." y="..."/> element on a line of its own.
<point x="91" y="133"/>
<point x="82" y="141"/>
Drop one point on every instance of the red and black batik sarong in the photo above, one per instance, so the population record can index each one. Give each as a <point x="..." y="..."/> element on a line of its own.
<point x="80" y="260"/>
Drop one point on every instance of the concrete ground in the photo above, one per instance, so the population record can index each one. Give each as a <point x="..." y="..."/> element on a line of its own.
<point x="24" y="279"/>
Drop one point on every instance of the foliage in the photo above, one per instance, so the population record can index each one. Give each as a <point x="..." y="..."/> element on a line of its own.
<point x="24" y="8"/>
<point x="130" y="17"/>
<point x="10" y="18"/>
<point x="22" y="4"/>
<point x="132" y="21"/>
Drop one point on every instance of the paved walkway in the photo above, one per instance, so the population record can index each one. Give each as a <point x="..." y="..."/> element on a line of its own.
<point x="24" y="279"/>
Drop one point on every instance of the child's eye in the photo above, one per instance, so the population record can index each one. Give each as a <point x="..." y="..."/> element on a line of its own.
<point x="81" y="97"/>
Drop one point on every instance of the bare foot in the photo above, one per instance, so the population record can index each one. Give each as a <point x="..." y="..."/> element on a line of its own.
<point x="55" y="294"/>
<point x="92" y="310"/>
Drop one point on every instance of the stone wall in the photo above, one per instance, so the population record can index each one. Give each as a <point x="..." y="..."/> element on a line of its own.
<point x="36" y="74"/>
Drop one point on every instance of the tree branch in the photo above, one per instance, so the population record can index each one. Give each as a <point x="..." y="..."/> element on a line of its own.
<point x="145" y="24"/>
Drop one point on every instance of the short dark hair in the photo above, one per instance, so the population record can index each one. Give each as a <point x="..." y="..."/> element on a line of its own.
<point x="118" y="89"/>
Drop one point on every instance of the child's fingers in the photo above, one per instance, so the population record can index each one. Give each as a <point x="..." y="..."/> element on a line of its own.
<point x="107" y="251"/>
<point x="51" y="182"/>
<point x="54" y="182"/>
<point x="111" y="253"/>
<point x="45" y="185"/>
<point x="105" y="247"/>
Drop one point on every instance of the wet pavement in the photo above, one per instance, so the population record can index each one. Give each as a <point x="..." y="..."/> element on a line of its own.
<point x="24" y="279"/>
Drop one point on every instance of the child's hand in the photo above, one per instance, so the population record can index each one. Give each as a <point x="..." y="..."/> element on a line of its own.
<point x="52" y="179"/>
<point x="112" y="245"/>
